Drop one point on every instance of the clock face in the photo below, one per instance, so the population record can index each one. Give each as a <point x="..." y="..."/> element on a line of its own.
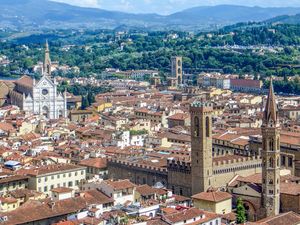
<point x="45" y="92"/>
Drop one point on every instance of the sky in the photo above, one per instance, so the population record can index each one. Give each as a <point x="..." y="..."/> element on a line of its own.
<point x="170" y="6"/>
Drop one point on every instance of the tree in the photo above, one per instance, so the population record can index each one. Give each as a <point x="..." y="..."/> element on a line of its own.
<point x="240" y="212"/>
<point x="84" y="102"/>
<point x="91" y="98"/>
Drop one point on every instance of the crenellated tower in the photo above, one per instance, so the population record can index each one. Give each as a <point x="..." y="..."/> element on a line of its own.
<point x="270" y="157"/>
<point x="201" y="138"/>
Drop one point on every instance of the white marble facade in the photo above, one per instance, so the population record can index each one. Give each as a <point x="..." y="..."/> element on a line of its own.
<point x="45" y="99"/>
<point x="40" y="97"/>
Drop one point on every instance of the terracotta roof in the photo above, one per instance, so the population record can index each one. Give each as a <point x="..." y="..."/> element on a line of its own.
<point x="8" y="200"/>
<point x="190" y="214"/>
<point x="184" y="215"/>
<point x="290" y="188"/>
<point x="289" y="218"/>
<point x="100" y="163"/>
<point x="96" y="197"/>
<point x="25" y="80"/>
<point x="40" y="211"/>
<point x="212" y="196"/>
<point x="245" y="83"/>
<point x="180" y="198"/>
<point x="7" y="127"/>
<point x="49" y="169"/>
<point x="255" y="179"/>
<point x="62" y="190"/>
<point x="179" y="116"/>
<point x="13" y="178"/>
<point x="120" y="185"/>
<point x="22" y="193"/>
<point x="145" y="190"/>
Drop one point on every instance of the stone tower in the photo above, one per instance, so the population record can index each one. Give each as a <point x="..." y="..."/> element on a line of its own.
<point x="201" y="137"/>
<point x="270" y="157"/>
<point x="47" y="61"/>
<point x="176" y="70"/>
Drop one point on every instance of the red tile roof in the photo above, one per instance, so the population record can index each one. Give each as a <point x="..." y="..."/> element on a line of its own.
<point x="25" y="81"/>
<point x="62" y="190"/>
<point x="49" y="169"/>
<point x="179" y="116"/>
<point x="289" y="218"/>
<point x="120" y="185"/>
<point x="245" y="83"/>
<point x="100" y="163"/>
<point x="212" y="196"/>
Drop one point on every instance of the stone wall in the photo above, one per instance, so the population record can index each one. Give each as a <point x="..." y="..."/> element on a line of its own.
<point x="136" y="173"/>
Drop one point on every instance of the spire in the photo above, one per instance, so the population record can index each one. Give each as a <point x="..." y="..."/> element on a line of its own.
<point x="270" y="113"/>
<point x="47" y="61"/>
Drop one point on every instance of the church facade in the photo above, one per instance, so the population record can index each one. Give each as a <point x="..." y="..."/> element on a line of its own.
<point x="40" y="97"/>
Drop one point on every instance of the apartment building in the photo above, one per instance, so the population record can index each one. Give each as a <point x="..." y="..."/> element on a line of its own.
<point x="46" y="178"/>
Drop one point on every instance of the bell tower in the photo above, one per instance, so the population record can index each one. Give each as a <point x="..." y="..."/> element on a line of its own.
<point x="47" y="61"/>
<point x="270" y="157"/>
<point x="176" y="70"/>
<point x="201" y="138"/>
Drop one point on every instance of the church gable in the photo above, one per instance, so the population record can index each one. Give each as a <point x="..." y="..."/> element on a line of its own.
<point x="45" y="81"/>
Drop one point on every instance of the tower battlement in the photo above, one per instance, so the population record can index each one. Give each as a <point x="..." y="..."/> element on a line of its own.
<point x="136" y="165"/>
<point x="236" y="161"/>
<point x="179" y="166"/>
<point x="200" y="106"/>
<point x="238" y="164"/>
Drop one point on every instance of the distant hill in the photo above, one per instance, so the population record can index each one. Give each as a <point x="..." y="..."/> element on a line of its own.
<point x="285" y="19"/>
<point x="44" y="13"/>
<point x="229" y="14"/>
<point x="32" y="14"/>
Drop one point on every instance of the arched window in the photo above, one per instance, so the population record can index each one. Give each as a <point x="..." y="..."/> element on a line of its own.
<point x="179" y="71"/>
<point x="197" y="127"/>
<point x="271" y="144"/>
<point x="271" y="162"/>
<point x="270" y="181"/>
<point x="207" y="124"/>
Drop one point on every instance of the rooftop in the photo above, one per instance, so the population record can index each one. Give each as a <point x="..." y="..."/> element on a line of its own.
<point x="212" y="196"/>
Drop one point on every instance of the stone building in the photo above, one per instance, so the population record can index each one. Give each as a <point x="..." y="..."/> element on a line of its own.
<point x="40" y="97"/>
<point x="201" y="134"/>
<point x="271" y="157"/>
<point x="177" y="174"/>
<point x="176" y="69"/>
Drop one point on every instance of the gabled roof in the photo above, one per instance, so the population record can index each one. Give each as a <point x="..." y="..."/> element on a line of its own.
<point x="43" y="79"/>
<point x="100" y="163"/>
<point x="289" y="218"/>
<point x="120" y="184"/>
<point x="25" y="81"/>
<point x="212" y="196"/>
